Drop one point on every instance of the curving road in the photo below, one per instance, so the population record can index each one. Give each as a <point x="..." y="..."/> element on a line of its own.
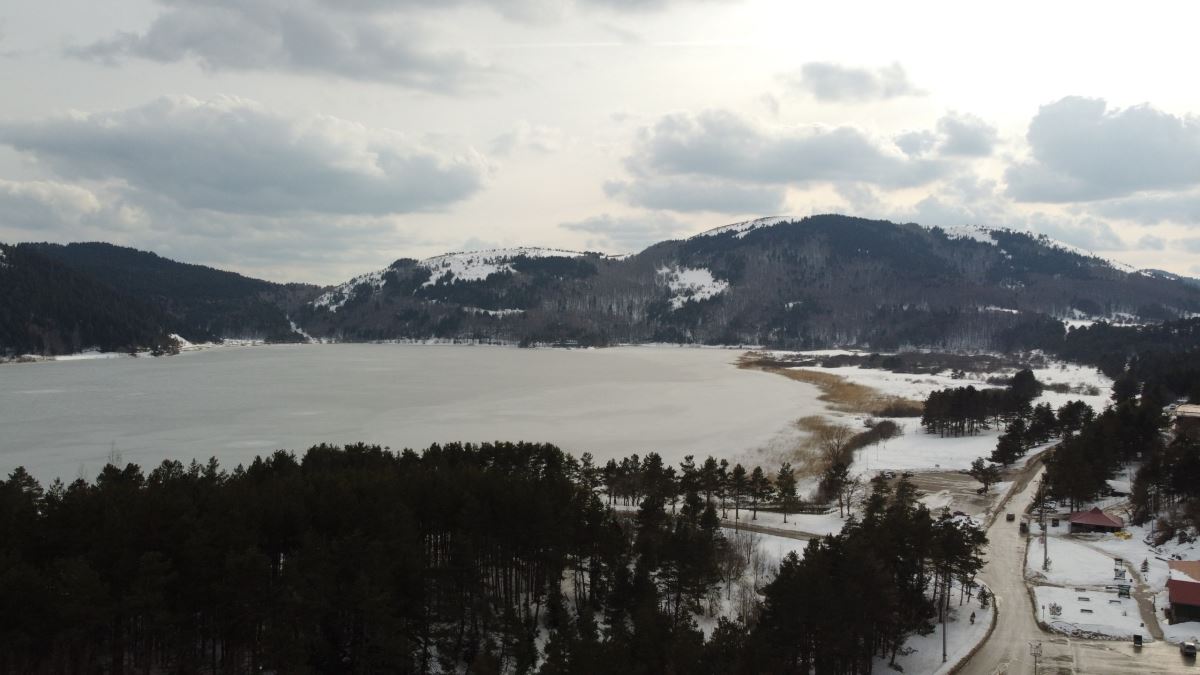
<point x="1007" y="650"/>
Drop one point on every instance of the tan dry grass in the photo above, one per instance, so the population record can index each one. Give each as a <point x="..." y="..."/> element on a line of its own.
<point x="841" y="394"/>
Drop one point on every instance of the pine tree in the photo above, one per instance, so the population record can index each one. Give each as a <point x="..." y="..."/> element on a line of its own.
<point x="760" y="489"/>
<point x="785" y="487"/>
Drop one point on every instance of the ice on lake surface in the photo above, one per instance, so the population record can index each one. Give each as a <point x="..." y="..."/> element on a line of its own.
<point x="61" y="419"/>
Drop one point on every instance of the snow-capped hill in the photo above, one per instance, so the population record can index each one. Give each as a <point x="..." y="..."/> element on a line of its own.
<point x="688" y="284"/>
<point x="334" y="299"/>
<point x="479" y="265"/>
<point x="746" y="227"/>
<point x="980" y="234"/>
<point x="1169" y="276"/>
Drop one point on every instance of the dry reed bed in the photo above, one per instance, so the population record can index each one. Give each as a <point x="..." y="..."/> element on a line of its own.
<point x="840" y="393"/>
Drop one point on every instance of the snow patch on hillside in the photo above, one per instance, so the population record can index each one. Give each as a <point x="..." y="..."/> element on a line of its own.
<point x="973" y="232"/>
<point x="493" y="312"/>
<point x="337" y="298"/>
<point x="690" y="284"/>
<point x="479" y="265"/>
<point x="746" y="227"/>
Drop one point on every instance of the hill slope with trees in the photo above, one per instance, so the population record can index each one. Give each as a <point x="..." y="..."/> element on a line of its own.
<point x="817" y="282"/>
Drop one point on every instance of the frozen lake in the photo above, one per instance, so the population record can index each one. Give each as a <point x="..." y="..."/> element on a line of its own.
<point x="64" y="418"/>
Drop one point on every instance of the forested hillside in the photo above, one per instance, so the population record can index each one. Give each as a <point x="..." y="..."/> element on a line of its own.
<point x="48" y="308"/>
<point x="817" y="282"/>
<point x="205" y="304"/>
<point x="820" y="281"/>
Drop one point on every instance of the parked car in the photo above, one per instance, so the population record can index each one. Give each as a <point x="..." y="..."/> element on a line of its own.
<point x="1137" y="641"/>
<point x="1187" y="647"/>
<point x="1010" y="517"/>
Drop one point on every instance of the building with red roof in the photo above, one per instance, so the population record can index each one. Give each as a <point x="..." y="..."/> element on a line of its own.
<point x="1184" y="589"/>
<point x="1095" y="521"/>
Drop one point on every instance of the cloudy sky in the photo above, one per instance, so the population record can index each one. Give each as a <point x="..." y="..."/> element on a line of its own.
<point x="310" y="140"/>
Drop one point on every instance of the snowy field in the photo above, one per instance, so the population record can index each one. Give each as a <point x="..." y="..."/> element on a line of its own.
<point x="64" y="419"/>
<point x="1090" y="612"/>
<point x="1072" y="563"/>
<point x="916" y="450"/>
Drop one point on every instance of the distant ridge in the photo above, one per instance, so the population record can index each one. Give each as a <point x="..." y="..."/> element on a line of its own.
<point x="812" y="282"/>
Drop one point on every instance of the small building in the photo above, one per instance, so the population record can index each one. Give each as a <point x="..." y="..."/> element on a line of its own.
<point x="1095" y="521"/>
<point x="1183" y="586"/>
<point x="1187" y="420"/>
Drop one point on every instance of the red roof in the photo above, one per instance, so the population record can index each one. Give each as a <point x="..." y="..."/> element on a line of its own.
<point x="1096" y="518"/>
<point x="1184" y="592"/>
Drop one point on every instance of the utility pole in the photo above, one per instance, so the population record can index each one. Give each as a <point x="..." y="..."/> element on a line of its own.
<point x="1035" y="649"/>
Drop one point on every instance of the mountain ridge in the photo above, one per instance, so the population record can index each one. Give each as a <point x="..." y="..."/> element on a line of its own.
<point x="817" y="281"/>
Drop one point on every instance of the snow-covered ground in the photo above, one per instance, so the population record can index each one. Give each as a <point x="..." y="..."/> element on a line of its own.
<point x="809" y="523"/>
<point x="1090" y="612"/>
<point x="690" y="284"/>
<point x="1072" y="563"/>
<point x="1134" y="549"/>
<point x="924" y="652"/>
<point x="479" y="265"/>
<point x="916" y="450"/>
<point x="1182" y="631"/>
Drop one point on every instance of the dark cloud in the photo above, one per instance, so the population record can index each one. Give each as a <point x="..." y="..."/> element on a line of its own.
<point x="1082" y="151"/>
<point x="689" y="193"/>
<point x="965" y="136"/>
<point x="231" y="155"/>
<point x="302" y="37"/>
<point x="627" y="234"/>
<point x="366" y="40"/>
<point x="832" y="82"/>
<point x="720" y="144"/>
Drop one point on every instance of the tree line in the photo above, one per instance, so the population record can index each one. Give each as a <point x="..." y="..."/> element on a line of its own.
<point x="966" y="411"/>
<point x="493" y="558"/>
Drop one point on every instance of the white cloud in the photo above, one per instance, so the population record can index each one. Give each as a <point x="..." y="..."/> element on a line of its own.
<point x="965" y="136"/>
<point x="1082" y="151"/>
<point x="234" y="156"/>
<point x="720" y="144"/>
<point x="832" y="82"/>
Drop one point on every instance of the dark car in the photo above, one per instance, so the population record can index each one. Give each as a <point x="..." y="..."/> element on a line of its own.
<point x="1187" y="647"/>
<point x="1010" y="517"/>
